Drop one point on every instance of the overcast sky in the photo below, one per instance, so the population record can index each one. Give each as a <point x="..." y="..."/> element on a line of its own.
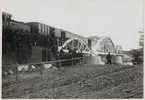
<point x="121" y="21"/>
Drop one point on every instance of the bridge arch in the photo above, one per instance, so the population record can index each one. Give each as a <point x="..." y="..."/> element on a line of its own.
<point x="75" y="43"/>
<point x="104" y="45"/>
<point x="101" y="48"/>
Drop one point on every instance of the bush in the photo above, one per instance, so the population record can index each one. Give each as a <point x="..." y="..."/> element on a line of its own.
<point x="137" y="55"/>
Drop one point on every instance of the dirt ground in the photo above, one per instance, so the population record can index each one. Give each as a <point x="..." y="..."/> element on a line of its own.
<point x="80" y="82"/>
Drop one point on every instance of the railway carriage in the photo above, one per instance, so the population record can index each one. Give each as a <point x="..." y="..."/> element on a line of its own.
<point x="42" y="33"/>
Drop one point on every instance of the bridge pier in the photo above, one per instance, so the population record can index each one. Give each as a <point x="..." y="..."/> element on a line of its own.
<point x="118" y="59"/>
<point x="96" y="59"/>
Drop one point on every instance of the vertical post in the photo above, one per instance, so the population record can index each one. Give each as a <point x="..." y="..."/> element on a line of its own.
<point x="89" y="59"/>
<point x="16" y="70"/>
<point x="59" y="64"/>
<point x="72" y="61"/>
<point x="78" y="61"/>
<point x="41" y="65"/>
<point x="83" y="60"/>
<point x="86" y="60"/>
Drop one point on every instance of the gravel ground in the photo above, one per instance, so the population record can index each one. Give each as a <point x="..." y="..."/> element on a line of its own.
<point x="87" y="82"/>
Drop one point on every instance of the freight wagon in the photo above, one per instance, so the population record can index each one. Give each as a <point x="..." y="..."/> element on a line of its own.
<point x="60" y="34"/>
<point x="19" y="25"/>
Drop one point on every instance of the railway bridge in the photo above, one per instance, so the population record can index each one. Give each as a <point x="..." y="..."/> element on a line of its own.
<point x="100" y="47"/>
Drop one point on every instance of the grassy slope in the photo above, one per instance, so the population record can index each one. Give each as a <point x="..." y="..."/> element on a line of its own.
<point x="88" y="81"/>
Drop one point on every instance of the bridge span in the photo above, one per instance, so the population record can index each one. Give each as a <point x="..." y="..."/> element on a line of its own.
<point x="100" y="47"/>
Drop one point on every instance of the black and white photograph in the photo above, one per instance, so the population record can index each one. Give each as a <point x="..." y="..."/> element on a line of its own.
<point x="69" y="49"/>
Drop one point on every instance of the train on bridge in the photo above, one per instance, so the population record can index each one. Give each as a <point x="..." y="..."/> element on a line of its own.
<point x="96" y="47"/>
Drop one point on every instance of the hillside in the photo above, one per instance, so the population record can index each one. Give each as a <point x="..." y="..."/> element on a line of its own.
<point x="83" y="82"/>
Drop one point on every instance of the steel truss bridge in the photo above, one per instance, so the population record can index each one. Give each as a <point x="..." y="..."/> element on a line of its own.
<point x="100" y="47"/>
